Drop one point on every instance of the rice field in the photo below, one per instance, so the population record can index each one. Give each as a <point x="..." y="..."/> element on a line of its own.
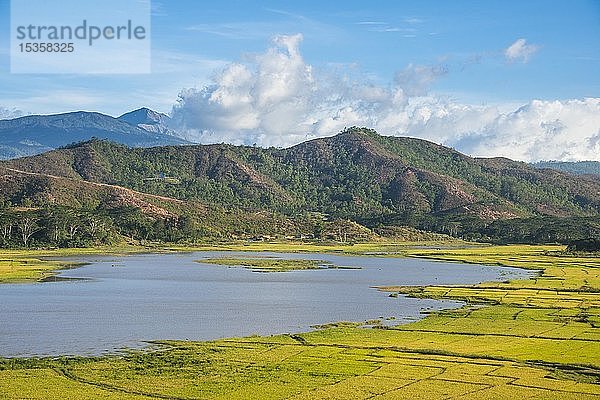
<point x="527" y="339"/>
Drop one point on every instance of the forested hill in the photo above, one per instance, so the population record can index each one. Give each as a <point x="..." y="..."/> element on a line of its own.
<point x="357" y="175"/>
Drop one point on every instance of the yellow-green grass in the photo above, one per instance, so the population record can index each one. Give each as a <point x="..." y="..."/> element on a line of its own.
<point x="26" y="269"/>
<point x="378" y="248"/>
<point x="31" y="265"/>
<point x="23" y="266"/>
<point x="537" y="339"/>
<point x="344" y="363"/>
<point x="270" y="264"/>
<point x="564" y="281"/>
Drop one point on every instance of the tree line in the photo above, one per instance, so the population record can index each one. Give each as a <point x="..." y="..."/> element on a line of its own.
<point x="59" y="226"/>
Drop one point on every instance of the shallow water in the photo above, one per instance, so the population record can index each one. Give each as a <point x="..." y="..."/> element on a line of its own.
<point x="121" y="301"/>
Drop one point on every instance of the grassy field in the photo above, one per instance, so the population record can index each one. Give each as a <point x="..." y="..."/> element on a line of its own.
<point x="24" y="269"/>
<point x="380" y="247"/>
<point x="26" y="266"/>
<point x="534" y="339"/>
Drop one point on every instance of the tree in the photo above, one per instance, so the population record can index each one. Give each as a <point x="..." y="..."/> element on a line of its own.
<point x="7" y="223"/>
<point x="28" y="227"/>
<point x="72" y="228"/>
<point x="54" y="221"/>
<point x="94" y="225"/>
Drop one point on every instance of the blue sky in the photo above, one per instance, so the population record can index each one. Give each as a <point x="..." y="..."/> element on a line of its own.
<point x="457" y="50"/>
<point x="386" y="36"/>
<point x="379" y="38"/>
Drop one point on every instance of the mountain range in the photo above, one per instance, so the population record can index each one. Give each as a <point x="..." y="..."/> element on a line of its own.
<point x="143" y="127"/>
<point x="374" y="181"/>
<point x="36" y="134"/>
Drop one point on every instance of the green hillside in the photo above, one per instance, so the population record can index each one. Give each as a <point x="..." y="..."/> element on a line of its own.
<point x="357" y="175"/>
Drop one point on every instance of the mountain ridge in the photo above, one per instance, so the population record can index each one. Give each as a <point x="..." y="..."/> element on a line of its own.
<point x="35" y="134"/>
<point x="356" y="175"/>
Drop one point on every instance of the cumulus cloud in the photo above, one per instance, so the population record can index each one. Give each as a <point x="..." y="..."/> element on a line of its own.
<point x="277" y="99"/>
<point x="10" y="113"/>
<point x="541" y="130"/>
<point x="520" y="50"/>
<point x="258" y="102"/>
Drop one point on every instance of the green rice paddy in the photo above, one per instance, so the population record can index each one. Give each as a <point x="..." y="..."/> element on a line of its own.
<point x="527" y="339"/>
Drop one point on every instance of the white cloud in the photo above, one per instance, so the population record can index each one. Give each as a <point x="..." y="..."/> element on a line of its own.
<point x="277" y="99"/>
<point x="383" y="27"/>
<point x="520" y="51"/>
<point x="56" y="101"/>
<point x="180" y="63"/>
<point x="541" y="130"/>
<point x="416" y="79"/>
<point x="413" y="20"/>
<point x="264" y="102"/>
<point x="158" y="9"/>
<point x="371" y="23"/>
<point x="284" y="21"/>
<point x="10" y="113"/>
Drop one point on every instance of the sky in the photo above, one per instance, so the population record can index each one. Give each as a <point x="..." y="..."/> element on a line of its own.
<point x="497" y="78"/>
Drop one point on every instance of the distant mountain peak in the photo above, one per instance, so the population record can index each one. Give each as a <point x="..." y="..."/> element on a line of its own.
<point x="145" y="116"/>
<point x="149" y="120"/>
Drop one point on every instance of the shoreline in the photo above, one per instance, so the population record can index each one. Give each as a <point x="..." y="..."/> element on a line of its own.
<point x="410" y="291"/>
<point x="48" y="264"/>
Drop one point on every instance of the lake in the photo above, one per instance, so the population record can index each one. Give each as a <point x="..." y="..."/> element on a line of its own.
<point x="122" y="301"/>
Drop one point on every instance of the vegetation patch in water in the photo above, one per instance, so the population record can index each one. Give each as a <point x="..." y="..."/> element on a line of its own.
<point x="269" y="264"/>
